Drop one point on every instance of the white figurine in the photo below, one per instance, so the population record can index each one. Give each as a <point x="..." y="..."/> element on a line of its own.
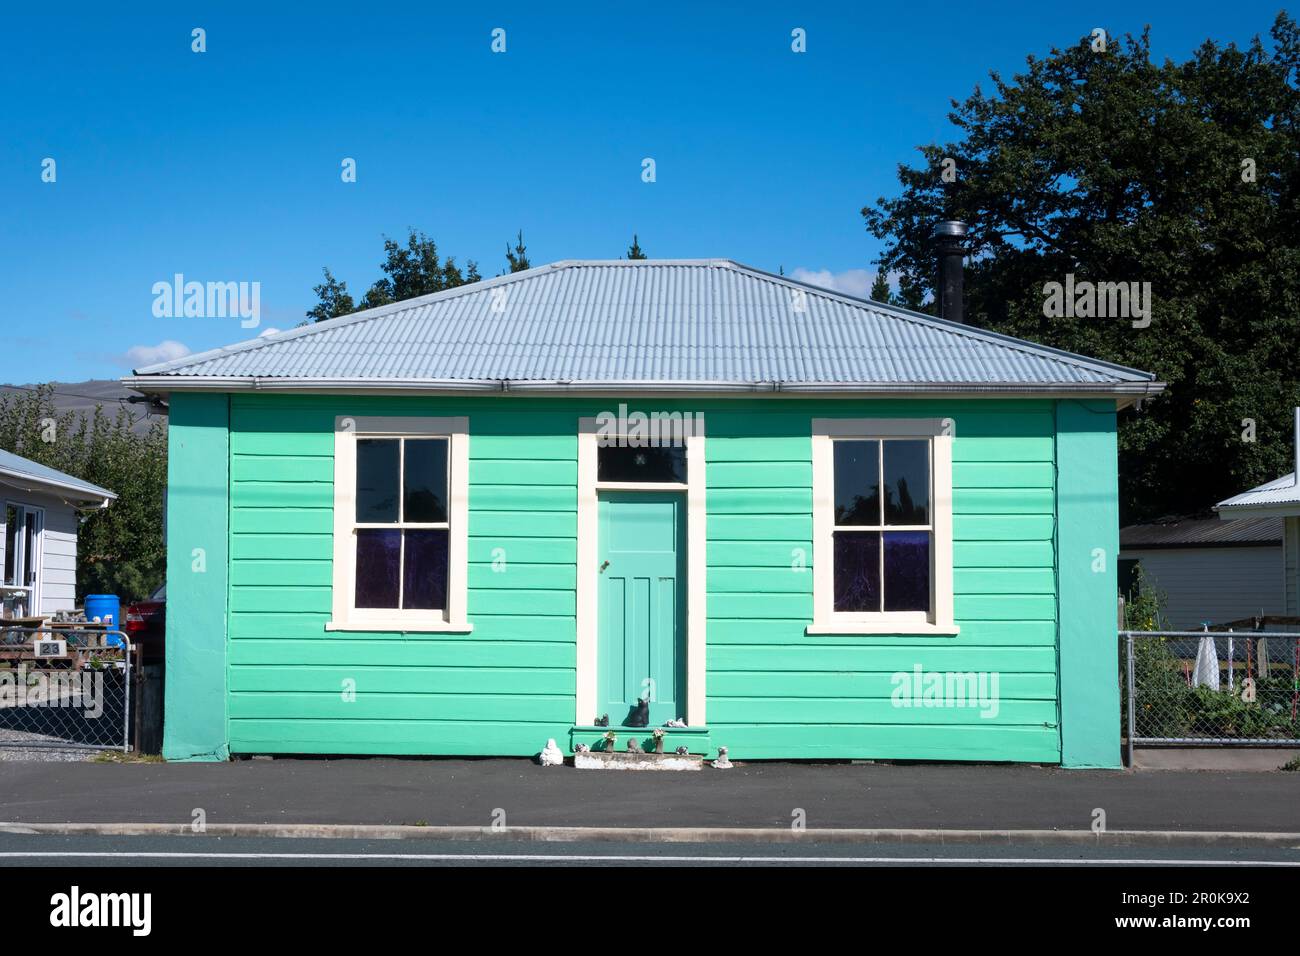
<point x="551" y="756"/>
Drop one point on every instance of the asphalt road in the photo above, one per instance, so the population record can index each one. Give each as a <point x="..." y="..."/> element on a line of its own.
<point x="93" y="851"/>
<point x="478" y="792"/>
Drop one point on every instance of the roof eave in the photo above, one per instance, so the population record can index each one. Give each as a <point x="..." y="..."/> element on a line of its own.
<point x="1125" y="392"/>
<point x="1263" y="509"/>
<point x="21" y="479"/>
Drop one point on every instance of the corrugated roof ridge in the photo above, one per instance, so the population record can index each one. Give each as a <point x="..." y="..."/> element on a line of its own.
<point x="889" y="310"/>
<point x="946" y="325"/>
<point x="352" y="318"/>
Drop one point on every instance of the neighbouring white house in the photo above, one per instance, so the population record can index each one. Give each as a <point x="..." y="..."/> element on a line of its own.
<point x="1279" y="499"/>
<point x="41" y="513"/>
<point x="1209" y="571"/>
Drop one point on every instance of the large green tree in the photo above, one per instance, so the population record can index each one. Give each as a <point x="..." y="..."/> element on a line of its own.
<point x="1103" y="164"/>
<point x="335" y="300"/>
<point x="120" y="548"/>
<point x="410" y="269"/>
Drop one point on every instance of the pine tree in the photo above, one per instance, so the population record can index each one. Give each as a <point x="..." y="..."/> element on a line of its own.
<point x="880" y="289"/>
<point x="635" y="251"/>
<point x="518" y="256"/>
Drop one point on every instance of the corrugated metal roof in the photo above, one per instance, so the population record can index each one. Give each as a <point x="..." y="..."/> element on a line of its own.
<point x="693" y="322"/>
<point x="24" y="470"/>
<point x="1201" y="532"/>
<point x="1279" y="494"/>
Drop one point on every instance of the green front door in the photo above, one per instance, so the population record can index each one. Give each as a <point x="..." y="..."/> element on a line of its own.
<point x="641" y="606"/>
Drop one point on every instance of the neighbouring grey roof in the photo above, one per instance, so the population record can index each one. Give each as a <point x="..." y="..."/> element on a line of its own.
<point x="26" y="473"/>
<point x="692" y="324"/>
<point x="1201" y="533"/>
<point x="1281" y="495"/>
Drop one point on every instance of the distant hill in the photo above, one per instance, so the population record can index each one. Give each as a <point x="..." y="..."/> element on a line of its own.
<point x="82" y="397"/>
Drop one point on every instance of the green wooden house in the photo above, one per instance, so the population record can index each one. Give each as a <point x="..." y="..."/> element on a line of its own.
<point x="794" y="523"/>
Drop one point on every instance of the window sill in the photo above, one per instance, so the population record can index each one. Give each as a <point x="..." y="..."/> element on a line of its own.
<point x="895" y="629"/>
<point x="400" y="627"/>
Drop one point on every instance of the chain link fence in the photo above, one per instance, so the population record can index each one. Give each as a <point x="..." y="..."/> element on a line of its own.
<point x="1210" y="687"/>
<point x="65" y="687"/>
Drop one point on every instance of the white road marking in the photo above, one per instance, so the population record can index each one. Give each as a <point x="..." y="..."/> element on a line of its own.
<point x="626" y="858"/>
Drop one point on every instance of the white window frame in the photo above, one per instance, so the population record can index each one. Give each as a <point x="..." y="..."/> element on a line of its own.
<point x="939" y="619"/>
<point x="346" y="617"/>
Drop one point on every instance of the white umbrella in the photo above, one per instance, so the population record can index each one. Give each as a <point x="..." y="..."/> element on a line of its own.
<point x="1206" y="671"/>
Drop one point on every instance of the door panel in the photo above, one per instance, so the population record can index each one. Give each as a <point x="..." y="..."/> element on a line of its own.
<point x="640" y="608"/>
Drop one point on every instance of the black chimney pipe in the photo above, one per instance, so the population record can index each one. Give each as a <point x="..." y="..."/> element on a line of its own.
<point x="950" y="236"/>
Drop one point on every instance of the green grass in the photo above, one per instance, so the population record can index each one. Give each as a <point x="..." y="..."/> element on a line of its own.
<point x="116" y="756"/>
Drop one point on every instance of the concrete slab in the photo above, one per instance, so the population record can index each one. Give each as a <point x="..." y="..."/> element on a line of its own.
<point x="599" y="760"/>
<point x="1258" y="759"/>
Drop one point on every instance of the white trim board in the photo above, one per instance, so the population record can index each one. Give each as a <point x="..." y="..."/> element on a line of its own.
<point x="588" y="554"/>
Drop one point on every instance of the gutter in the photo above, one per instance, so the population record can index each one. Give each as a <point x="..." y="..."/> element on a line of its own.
<point x="1264" y="509"/>
<point x="166" y="383"/>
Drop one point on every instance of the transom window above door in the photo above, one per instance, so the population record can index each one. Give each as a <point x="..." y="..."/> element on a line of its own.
<point x="882" y="524"/>
<point x="400" y="516"/>
<point x="622" y="463"/>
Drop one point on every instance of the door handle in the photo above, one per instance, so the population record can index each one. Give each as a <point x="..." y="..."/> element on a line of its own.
<point x="603" y="567"/>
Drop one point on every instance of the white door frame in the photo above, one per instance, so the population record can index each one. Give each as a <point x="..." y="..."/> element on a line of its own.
<point x="33" y="562"/>
<point x="588" y="555"/>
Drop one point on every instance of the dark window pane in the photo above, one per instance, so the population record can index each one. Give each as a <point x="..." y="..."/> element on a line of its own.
<point x="617" y="463"/>
<point x="1128" y="576"/>
<point x="424" y="579"/>
<point x="857" y="570"/>
<point x="907" y="482"/>
<point x="907" y="571"/>
<point x="857" y="482"/>
<point x="425" y="480"/>
<point x="11" y="544"/>
<point x="377" y="479"/>
<point x="379" y="557"/>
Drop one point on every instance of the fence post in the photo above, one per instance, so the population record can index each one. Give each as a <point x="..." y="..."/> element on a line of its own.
<point x="1231" y="651"/>
<point x="137" y="717"/>
<point x="126" y="686"/>
<point x="1131" y="697"/>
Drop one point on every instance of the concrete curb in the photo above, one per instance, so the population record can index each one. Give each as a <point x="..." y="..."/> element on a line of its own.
<point x="544" y="834"/>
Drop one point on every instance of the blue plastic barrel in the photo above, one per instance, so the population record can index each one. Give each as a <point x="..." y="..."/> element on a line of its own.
<point x="106" y="609"/>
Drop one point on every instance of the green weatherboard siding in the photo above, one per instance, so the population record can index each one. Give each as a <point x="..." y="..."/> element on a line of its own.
<point x="640" y="647"/>
<point x="773" y="691"/>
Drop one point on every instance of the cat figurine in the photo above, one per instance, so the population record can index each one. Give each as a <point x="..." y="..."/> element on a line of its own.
<point x="638" y="714"/>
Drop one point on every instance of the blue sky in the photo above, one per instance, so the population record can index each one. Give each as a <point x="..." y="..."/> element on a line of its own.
<point x="225" y="165"/>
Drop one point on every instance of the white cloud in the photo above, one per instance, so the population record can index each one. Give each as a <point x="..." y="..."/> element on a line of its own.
<point x="855" y="282"/>
<point x="267" y="331"/>
<point x="139" y="356"/>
